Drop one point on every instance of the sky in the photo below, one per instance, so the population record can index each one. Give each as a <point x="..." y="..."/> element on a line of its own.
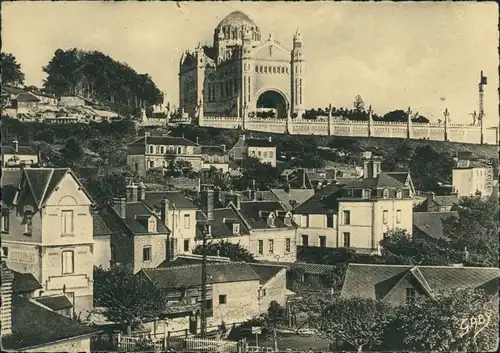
<point x="424" y="55"/>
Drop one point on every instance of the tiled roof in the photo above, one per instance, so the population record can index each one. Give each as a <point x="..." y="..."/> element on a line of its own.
<point x="154" y="198"/>
<point x="183" y="260"/>
<point x="218" y="150"/>
<point x="34" y="326"/>
<point x="221" y="229"/>
<point x="27" y="97"/>
<point x="99" y="225"/>
<point x="293" y="197"/>
<point x="446" y="200"/>
<point x="376" y="281"/>
<point x="163" y="140"/>
<point x="132" y="223"/>
<point x="190" y="275"/>
<point x="400" y="176"/>
<point x="24" y="283"/>
<point x="324" y="201"/>
<point x="56" y="302"/>
<point x="258" y="143"/>
<point x="252" y="213"/>
<point x="314" y="269"/>
<point x="430" y="223"/>
<point x="12" y="90"/>
<point x="21" y="150"/>
<point x="383" y="180"/>
<point x="266" y="272"/>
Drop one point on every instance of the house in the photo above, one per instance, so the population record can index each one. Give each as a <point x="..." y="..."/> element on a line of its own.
<point x="75" y="101"/>
<point x="139" y="238"/>
<point x="358" y="214"/>
<point x="430" y="224"/>
<point x="33" y="326"/>
<point x="263" y="149"/>
<point x="236" y="292"/>
<point x="400" y="284"/>
<point x="472" y="178"/>
<point x="25" y="102"/>
<point x="215" y="156"/>
<point x="102" y="241"/>
<point x="150" y="152"/>
<point x="45" y="98"/>
<point x="405" y="178"/>
<point x="192" y="259"/>
<point x="264" y="227"/>
<point x="16" y="156"/>
<point x="178" y="214"/>
<point x="436" y="203"/>
<point x="47" y="232"/>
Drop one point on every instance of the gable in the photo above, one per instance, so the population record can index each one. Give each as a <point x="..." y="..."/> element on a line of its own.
<point x="271" y="51"/>
<point x="67" y="192"/>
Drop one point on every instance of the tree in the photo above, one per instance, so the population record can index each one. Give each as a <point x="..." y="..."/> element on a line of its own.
<point x="398" y="247"/>
<point x="10" y="70"/>
<point x="275" y="319"/>
<point x="179" y="167"/>
<point x="360" y="322"/>
<point x="72" y="152"/>
<point x="359" y="104"/>
<point x="127" y="298"/>
<point x="428" y="167"/>
<point x="226" y="249"/>
<point x="475" y="228"/>
<point x="464" y="320"/>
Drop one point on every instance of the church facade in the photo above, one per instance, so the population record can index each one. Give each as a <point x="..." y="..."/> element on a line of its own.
<point x="242" y="74"/>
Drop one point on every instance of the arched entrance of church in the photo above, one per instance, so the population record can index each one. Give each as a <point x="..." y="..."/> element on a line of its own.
<point x="271" y="104"/>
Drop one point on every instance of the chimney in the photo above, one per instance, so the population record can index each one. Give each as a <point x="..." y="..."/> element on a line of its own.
<point x="6" y="309"/>
<point x="16" y="145"/>
<point x="207" y="202"/>
<point x="142" y="191"/>
<point x="132" y="192"/>
<point x="119" y="205"/>
<point x="217" y="196"/>
<point x="165" y="207"/>
<point x="197" y="140"/>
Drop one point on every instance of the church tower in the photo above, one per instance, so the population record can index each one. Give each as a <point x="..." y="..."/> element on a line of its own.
<point x="246" y="83"/>
<point x="199" y="56"/>
<point x="298" y="76"/>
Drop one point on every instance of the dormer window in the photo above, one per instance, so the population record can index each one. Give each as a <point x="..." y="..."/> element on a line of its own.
<point x="28" y="225"/>
<point x="399" y="194"/>
<point x="367" y="194"/>
<point x="270" y="220"/>
<point x="151" y="149"/>
<point x="5" y="223"/>
<point x="152" y="225"/>
<point x="385" y="193"/>
<point x="288" y="220"/>
<point x="236" y="228"/>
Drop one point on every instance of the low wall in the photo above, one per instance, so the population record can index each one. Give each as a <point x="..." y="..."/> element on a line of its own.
<point x="420" y="131"/>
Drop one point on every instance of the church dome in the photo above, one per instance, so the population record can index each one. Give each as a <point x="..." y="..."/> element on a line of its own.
<point x="237" y="19"/>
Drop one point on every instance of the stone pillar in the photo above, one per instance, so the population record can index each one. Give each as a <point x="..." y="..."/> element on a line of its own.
<point x="370" y="121"/>
<point x="330" y="131"/>
<point x="446" y="114"/>
<point x="245" y="116"/>
<point x="408" y="124"/>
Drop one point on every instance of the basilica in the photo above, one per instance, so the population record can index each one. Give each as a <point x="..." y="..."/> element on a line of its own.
<point x="241" y="73"/>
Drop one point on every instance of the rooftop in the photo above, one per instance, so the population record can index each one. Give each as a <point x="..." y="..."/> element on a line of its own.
<point x="24" y="283"/>
<point x="154" y="198"/>
<point x="21" y="150"/>
<point x="252" y="142"/>
<point x="431" y="223"/>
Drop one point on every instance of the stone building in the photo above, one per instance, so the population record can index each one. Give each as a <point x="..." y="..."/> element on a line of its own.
<point x="242" y="73"/>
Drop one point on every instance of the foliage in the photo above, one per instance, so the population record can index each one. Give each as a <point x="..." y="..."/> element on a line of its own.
<point x="105" y="187"/>
<point x="179" y="167"/>
<point x="226" y="249"/>
<point x="264" y="174"/>
<point x="399" y="157"/>
<point x="72" y="152"/>
<point x="445" y="324"/>
<point x="402" y="117"/>
<point x="357" y="321"/>
<point x="359" y="104"/>
<point x="428" y="167"/>
<point x="10" y="70"/>
<point x="127" y="298"/>
<point x="399" y="247"/>
<point x="476" y="228"/>
<point x="94" y="74"/>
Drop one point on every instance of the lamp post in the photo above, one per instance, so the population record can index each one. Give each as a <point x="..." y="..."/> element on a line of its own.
<point x="206" y="235"/>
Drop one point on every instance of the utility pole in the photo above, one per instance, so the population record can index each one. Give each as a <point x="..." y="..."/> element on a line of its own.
<point x="483" y="81"/>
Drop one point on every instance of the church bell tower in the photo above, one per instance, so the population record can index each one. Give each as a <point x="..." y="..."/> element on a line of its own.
<point x="297" y="76"/>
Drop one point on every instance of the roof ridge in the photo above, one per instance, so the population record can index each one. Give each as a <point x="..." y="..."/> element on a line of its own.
<point x="46" y="187"/>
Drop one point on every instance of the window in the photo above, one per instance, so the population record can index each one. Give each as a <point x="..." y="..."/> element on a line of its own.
<point x="385" y="194"/>
<point x="236" y="228"/>
<point x="399" y="194"/>
<point x="162" y="149"/>
<point x="366" y="194"/>
<point x="146" y="253"/>
<point x="270" y="153"/>
<point x="28" y="226"/>
<point x="151" y="149"/>
<point x="262" y="292"/>
<point x="322" y="241"/>
<point x="187" y="221"/>
<point x="287" y="245"/>
<point x="329" y="221"/>
<point x="152" y="225"/>
<point x="305" y="240"/>
<point x="264" y="154"/>
<point x="347" y="239"/>
<point x="398" y="216"/>
<point x="261" y="247"/>
<point x="157" y="149"/>
<point x="5" y="251"/>
<point x="186" y="245"/>
<point x="68" y="262"/>
<point x="151" y="164"/>
<point x="222" y="299"/>
<point x="67" y="222"/>
<point x="385" y="216"/>
<point x="271" y="246"/>
<point x="5" y="223"/>
<point x="179" y="149"/>
<point x="347" y="217"/>
<point x="410" y="295"/>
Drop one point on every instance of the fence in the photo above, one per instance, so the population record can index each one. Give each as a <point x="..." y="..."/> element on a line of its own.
<point x="211" y="345"/>
<point x="138" y="344"/>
